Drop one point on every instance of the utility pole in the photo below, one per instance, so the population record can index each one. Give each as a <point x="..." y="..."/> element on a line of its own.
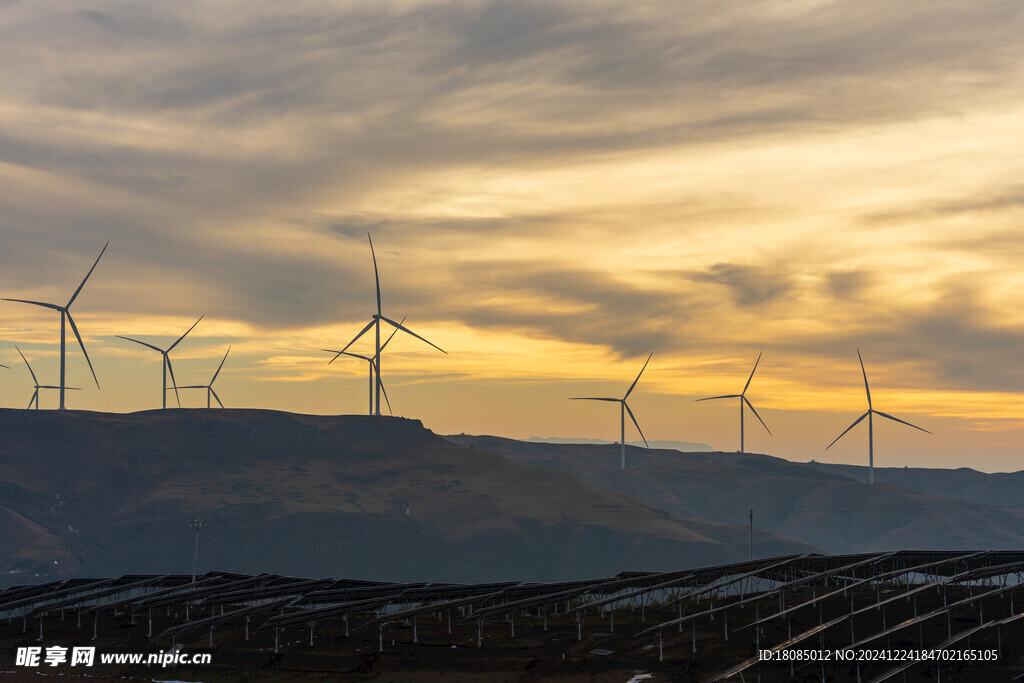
<point x="752" y="534"/>
<point x="196" y="524"/>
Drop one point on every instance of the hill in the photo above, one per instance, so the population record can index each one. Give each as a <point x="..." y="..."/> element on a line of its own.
<point x="373" y="497"/>
<point x="817" y="505"/>
<point x="1002" y="489"/>
<point x="675" y="445"/>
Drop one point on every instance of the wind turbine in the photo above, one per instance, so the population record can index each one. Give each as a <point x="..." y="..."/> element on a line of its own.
<point x="742" y="396"/>
<point x="622" y="412"/>
<point x="375" y="322"/>
<point x="871" y="430"/>
<point x="167" y="361"/>
<point x="65" y="313"/>
<point x="209" y="387"/>
<point x="35" y="394"/>
<point x="372" y="366"/>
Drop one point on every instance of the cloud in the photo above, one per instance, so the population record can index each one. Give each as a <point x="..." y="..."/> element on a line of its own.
<point x="848" y="284"/>
<point x="569" y="304"/>
<point x="577" y="171"/>
<point x="749" y="285"/>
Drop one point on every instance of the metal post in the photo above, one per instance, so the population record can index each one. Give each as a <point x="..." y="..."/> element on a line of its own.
<point x="622" y="432"/>
<point x="63" y="315"/>
<point x="377" y="357"/>
<point x="741" y="425"/>
<point x="871" y="448"/>
<point x="197" y="523"/>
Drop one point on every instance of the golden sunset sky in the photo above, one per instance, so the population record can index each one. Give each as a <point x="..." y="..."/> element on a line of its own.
<point x="554" y="190"/>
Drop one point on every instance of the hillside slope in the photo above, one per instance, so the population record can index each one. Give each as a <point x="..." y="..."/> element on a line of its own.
<point x="1002" y="489"/>
<point x="357" y="496"/>
<point x="816" y="505"/>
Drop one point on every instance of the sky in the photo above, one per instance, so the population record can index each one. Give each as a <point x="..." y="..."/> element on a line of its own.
<point x="554" y="190"/>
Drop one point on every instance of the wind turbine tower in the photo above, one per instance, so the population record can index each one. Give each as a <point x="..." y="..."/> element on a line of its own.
<point x="209" y="387"/>
<point x="167" y="361"/>
<point x="65" y="315"/>
<point x="623" y="409"/>
<point x="742" y="396"/>
<point x="375" y="323"/>
<point x="871" y="428"/>
<point x="35" y="394"/>
<point x="372" y="366"/>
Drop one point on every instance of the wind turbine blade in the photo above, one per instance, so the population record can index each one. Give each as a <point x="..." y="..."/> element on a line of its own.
<point x="196" y="386"/>
<point x="376" y="276"/>
<point x="638" y="377"/>
<point x="141" y="342"/>
<point x="408" y="331"/>
<point x="75" y="295"/>
<point x="848" y="429"/>
<point x="34" y="380"/>
<point x="37" y="303"/>
<point x="33" y="399"/>
<point x="361" y="333"/>
<point x="713" y="398"/>
<point x="220" y="366"/>
<point x="751" y="406"/>
<point x="863" y="372"/>
<point x="896" y="419"/>
<point x="170" y="368"/>
<point x="591" y="398"/>
<point x="388" y="402"/>
<point x="186" y="333"/>
<point x="393" y="333"/>
<point x="216" y="396"/>
<point x="356" y="355"/>
<point x="752" y="376"/>
<point x="74" y="328"/>
<point x="626" y="406"/>
<point x="5" y="366"/>
<point x="337" y="355"/>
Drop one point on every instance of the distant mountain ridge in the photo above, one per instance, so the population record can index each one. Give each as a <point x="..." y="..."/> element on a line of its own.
<point x="683" y="446"/>
<point x="1002" y="489"/>
<point x="820" y="505"/>
<point x="366" y="497"/>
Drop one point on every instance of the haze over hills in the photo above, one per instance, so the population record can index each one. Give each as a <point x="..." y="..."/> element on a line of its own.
<point x="367" y="497"/>
<point x="818" y="505"/>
